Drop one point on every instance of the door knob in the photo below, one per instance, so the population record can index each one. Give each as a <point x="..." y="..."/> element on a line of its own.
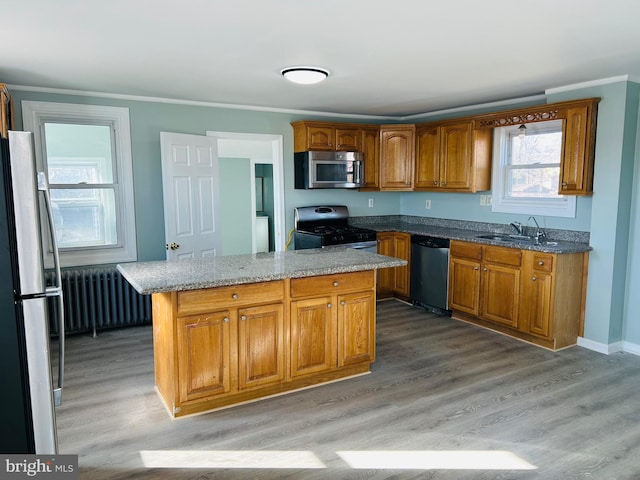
<point x="172" y="246"/>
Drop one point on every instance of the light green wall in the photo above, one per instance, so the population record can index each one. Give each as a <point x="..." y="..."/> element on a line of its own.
<point x="235" y="205"/>
<point x="606" y="214"/>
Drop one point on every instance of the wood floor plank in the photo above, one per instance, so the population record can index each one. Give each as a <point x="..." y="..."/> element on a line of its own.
<point x="438" y="385"/>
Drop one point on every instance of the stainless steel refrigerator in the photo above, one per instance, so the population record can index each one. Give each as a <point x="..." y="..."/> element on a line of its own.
<point x="28" y="407"/>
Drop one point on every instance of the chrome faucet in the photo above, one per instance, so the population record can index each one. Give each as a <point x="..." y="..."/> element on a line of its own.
<point x="541" y="236"/>
<point x="517" y="226"/>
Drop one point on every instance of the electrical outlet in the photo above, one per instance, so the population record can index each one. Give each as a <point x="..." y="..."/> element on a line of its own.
<point x="427" y="204"/>
<point x="488" y="199"/>
<point x="371" y="203"/>
<point x="483" y="200"/>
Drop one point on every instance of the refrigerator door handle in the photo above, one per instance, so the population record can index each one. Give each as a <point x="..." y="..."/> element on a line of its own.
<point x="56" y="290"/>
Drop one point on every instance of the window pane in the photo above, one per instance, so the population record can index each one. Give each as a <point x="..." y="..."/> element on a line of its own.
<point x="84" y="217"/>
<point x="78" y="153"/>
<point x="537" y="148"/>
<point x="533" y="182"/>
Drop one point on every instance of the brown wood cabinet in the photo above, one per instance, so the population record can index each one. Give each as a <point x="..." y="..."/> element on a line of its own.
<point x="397" y="157"/>
<point x="578" y="150"/>
<point x="6" y="111"/>
<point x="535" y="296"/>
<point x="452" y="157"/>
<point x="332" y="322"/>
<point x="370" y="143"/>
<point x="309" y="135"/>
<point x="579" y="118"/>
<point x="394" y="281"/>
<point x="221" y="346"/>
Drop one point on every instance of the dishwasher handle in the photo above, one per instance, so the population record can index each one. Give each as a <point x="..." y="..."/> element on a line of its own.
<point x="430" y="242"/>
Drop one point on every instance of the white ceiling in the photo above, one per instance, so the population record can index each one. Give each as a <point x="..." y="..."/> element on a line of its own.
<point x="386" y="58"/>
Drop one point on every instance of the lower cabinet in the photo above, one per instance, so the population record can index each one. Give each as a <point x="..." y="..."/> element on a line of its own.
<point x="394" y="281"/>
<point x="221" y="346"/>
<point x="535" y="296"/>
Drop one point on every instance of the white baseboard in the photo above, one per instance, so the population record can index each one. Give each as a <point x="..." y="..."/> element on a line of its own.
<point x="608" y="348"/>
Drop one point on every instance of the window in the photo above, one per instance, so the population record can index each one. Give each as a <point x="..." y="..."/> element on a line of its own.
<point x="526" y="170"/>
<point x="86" y="152"/>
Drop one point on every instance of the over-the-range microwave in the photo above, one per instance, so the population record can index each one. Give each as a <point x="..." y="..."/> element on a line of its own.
<point x="319" y="169"/>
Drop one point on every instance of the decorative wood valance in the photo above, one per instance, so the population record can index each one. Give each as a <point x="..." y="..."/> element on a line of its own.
<point x="538" y="113"/>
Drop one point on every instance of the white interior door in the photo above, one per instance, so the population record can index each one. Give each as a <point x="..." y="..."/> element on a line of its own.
<point x="191" y="195"/>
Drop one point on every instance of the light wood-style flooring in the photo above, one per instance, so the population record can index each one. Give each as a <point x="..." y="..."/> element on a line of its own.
<point x="444" y="400"/>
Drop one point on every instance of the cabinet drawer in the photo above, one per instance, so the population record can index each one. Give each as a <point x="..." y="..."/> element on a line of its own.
<point x="330" y="284"/>
<point x="466" y="250"/>
<point x="206" y="300"/>
<point x="542" y="262"/>
<point x="502" y="255"/>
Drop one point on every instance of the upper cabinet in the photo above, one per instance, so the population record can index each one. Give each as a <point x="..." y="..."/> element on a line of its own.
<point x="578" y="137"/>
<point x="452" y="156"/>
<point x="325" y="136"/>
<point x="455" y="155"/>
<point x="6" y="111"/>
<point x="370" y="143"/>
<point x="397" y="153"/>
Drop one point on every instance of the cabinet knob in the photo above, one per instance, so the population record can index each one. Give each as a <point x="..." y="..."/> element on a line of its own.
<point x="343" y="302"/>
<point x="243" y="317"/>
<point x="443" y="183"/>
<point x="234" y="296"/>
<point x="335" y="284"/>
<point x="564" y="184"/>
<point x="435" y="182"/>
<point x="329" y="305"/>
<point x="476" y="268"/>
<point x="225" y="319"/>
<point x="533" y="279"/>
<point x="540" y="263"/>
<point x="484" y="269"/>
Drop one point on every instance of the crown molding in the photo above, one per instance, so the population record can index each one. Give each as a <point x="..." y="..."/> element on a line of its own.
<point x="591" y="83"/>
<point x="400" y="118"/>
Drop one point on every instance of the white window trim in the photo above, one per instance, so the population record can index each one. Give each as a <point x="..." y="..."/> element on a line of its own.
<point x="564" y="206"/>
<point x="34" y="115"/>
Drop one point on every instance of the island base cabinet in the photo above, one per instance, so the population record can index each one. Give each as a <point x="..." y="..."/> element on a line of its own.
<point x="203" y="355"/>
<point x="312" y="336"/>
<point x="213" y="348"/>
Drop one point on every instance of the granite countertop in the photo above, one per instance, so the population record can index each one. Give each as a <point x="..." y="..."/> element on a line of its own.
<point x="180" y="275"/>
<point x="553" y="245"/>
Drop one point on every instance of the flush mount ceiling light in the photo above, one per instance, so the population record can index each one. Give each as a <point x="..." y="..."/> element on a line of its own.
<point x="305" y="75"/>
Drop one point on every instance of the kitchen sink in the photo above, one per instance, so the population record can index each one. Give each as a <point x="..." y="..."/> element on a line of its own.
<point x="508" y="238"/>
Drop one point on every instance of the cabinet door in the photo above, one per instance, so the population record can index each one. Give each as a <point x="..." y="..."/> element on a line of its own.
<point x="464" y="285"/>
<point x="356" y="328"/>
<point x="260" y="345"/>
<point x="402" y="249"/>
<point x="455" y="156"/>
<point x="370" y="143"/>
<point x="575" y="157"/>
<point x="386" y="276"/>
<point x="320" y="137"/>
<point x="428" y="157"/>
<point x="536" y="303"/>
<point x="347" y="139"/>
<point x="204" y="355"/>
<point x="312" y="336"/>
<point x="500" y="294"/>
<point x="397" y="153"/>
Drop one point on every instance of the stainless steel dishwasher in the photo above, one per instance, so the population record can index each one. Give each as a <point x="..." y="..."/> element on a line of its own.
<point x="430" y="273"/>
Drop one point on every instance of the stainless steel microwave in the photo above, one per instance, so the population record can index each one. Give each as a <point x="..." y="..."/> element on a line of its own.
<point x="319" y="169"/>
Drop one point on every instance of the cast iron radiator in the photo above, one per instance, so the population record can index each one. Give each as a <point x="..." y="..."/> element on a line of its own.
<point x="97" y="298"/>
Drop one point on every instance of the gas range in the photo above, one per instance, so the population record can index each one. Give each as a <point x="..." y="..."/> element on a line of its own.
<point x="327" y="225"/>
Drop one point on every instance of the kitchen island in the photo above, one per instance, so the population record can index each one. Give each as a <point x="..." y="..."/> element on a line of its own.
<point x="228" y="330"/>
